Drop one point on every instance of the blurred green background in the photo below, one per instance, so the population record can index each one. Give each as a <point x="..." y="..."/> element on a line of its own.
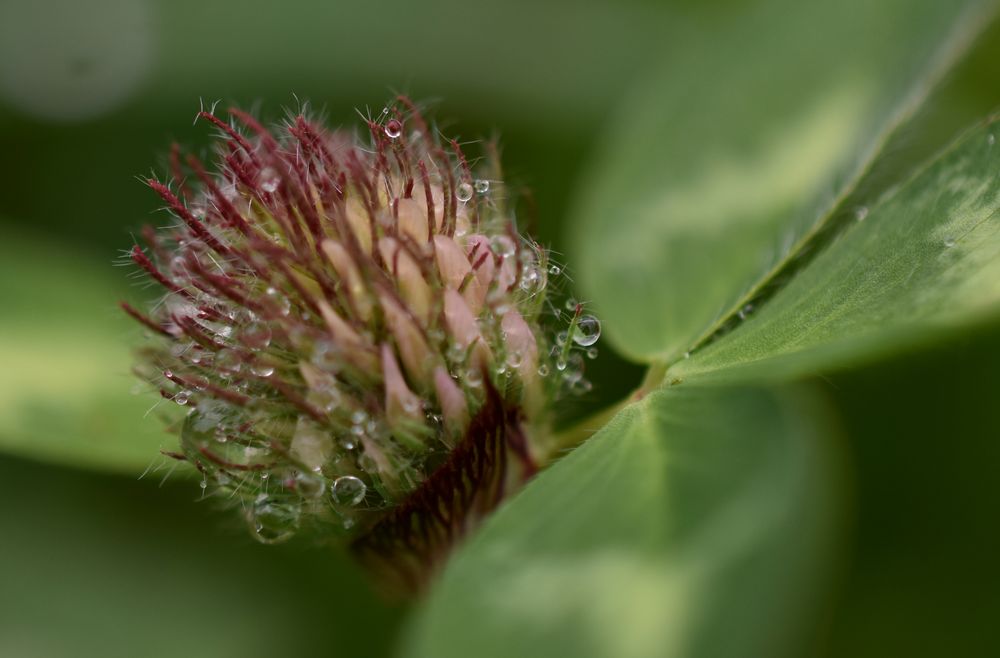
<point x="92" y="92"/>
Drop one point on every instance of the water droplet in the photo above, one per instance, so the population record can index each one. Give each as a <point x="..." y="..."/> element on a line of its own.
<point x="310" y="485"/>
<point x="474" y="378"/>
<point x="273" y="520"/>
<point x="515" y="359"/>
<point x="280" y="302"/>
<point x="745" y="311"/>
<point x="262" y="369"/>
<point x="368" y="464"/>
<point x="257" y="335"/>
<point x="359" y="417"/>
<point x="562" y="337"/>
<point x="348" y="491"/>
<point x="269" y="180"/>
<point x="326" y="356"/>
<point x="182" y="397"/>
<point x="481" y="186"/>
<point x="587" y="331"/>
<point x="592" y="353"/>
<point x="503" y="246"/>
<point x="348" y="523"/>
<point x="531" y="280"/>
<point x="573" y="369"/>
<point x="203" y="484"/>
<point x="581" y="386"/>
<point x="543" y="370"/>
<point x="326" y="397"/>
<point x="464" y="192"/>
<point x="949" y="242"/>
<point x="991" y="139"/>
<point x="860" y="213"/>
<point x="571" y="304"/>
<point x="561" y="364"/>
<point x="555" y="270"/>
<point x="228" y="361"/>
<point x="687" y="355"/>
<point x="393" y="128"/>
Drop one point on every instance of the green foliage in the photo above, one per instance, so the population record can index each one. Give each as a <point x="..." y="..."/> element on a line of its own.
<point x="693" y="511"/>
<point x="732" y="155"/>
<point x="69" y="345"/>
<point x="925" y="258"/>
<point x="703" y="519"/>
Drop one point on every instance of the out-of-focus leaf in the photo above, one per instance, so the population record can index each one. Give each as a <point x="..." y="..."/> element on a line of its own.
<point x="686" y="527"/>
<point x="926" y="258"/>
<point x="108" y="567"/>
<point x="66" y="393"/>
<point x="727" y="161"/>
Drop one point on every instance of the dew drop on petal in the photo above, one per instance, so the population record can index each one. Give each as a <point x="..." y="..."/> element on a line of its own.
<point x="587" y="330"/>
<point x="348" y="491"/>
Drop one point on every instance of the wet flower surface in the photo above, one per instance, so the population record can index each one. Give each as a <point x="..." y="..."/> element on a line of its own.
<point x="353" y="324"/>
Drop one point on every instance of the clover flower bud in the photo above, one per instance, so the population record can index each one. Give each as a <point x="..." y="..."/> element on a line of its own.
<point x="354" y="328"/>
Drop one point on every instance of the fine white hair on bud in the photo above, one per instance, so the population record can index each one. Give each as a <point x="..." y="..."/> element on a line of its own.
<point x="354" y="327"/>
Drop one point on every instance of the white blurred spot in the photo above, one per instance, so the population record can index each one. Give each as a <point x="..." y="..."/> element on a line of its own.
<point x="68" y="60"/>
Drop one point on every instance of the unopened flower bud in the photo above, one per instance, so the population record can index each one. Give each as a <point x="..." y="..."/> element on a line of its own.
<point x="354" y="331"/>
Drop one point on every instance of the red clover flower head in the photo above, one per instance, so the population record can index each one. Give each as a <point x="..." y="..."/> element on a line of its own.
<point x="353" y="327"/>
